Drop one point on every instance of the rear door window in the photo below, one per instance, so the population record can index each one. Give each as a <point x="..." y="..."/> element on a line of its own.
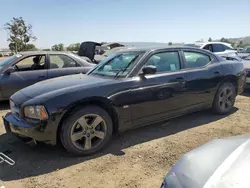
<point x="208" y="47"/>
<point x="218" y="48"/>
<point x="61" y="61"/>
<point x="196" y="59"/>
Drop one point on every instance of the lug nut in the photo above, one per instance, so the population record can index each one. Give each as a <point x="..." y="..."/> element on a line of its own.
<point x="92" y="132"/>
<point x="88" y="135"/>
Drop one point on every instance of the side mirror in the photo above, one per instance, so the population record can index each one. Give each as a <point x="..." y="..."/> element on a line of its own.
<point x="9" y="70"/>
<point x="149" y="69"/>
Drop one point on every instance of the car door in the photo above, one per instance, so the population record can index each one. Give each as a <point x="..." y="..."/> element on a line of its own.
<point x="29" y="70"/>
<point x="202" y="75"/>
<point x="62" y="65"/>
<point x="159" y="96"/>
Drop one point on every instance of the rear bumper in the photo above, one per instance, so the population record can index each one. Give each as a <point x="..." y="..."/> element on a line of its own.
<point x="37" y="131"/>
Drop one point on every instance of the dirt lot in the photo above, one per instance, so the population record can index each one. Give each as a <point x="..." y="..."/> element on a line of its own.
<point x="138" y="158"/>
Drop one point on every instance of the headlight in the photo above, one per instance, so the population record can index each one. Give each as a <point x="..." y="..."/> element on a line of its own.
<point x="36" y="112"/>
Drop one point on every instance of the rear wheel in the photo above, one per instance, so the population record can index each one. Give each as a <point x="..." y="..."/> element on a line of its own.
<point x="86" y="131"/>
<point x="224" y="99"/>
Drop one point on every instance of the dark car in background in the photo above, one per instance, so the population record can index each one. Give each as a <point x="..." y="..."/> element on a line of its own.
<point x="129" y="89"/>
<point x="246" y="61"/>
<point x="245" y="52"/>
<point x="27" y="68"/>
<point x="220" y="163"/>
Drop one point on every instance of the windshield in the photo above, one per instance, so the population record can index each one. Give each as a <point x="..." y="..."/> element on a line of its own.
<point x="118" y="65"/>
<point x="8" y="60"/>
<point x="192" y="45"/>
<point x="246" y="50"/>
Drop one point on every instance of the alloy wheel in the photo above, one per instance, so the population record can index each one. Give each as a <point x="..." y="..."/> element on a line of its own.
<point x="226" y="99"/>
<point x="88" y="132"/>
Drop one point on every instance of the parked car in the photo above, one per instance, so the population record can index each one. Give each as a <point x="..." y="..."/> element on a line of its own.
<point x="218" y="48"/>
<point x="27" y="68"/>
<point x="87" y="51"/>
<point x="129" y="89"/>
<point x="245" y="52"/>
<point x="100" y="58"/>
<point x="116" y="50"/>
<point x="246" y="62"/>
<point x="221" y="163"/>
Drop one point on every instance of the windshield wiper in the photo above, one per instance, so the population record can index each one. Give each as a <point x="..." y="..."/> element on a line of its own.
<point x="125" y="68"/>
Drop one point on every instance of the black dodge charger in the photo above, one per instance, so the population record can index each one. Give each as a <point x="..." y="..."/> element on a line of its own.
<point x="132" y="88"/>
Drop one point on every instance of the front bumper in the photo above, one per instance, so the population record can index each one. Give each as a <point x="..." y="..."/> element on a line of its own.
<point x="37" y="131"/>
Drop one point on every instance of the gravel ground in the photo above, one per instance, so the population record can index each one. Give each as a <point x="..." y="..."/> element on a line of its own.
<point x="137" y="158"/>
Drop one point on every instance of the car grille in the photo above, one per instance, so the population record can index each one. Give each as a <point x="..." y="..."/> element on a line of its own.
<point x="15" y="110"/>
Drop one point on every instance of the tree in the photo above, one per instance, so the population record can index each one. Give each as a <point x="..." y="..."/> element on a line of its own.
<point x="77" y="46"/>
<point x="210" y="40"/>
<point x="74" y="47"/>
<point x="170" y="43"/>
<point x="20" y="34"/>
<point x="30" y="47"/>
<point x="241" y="44"/>
<point x="222" y="39"/>
<point x="58" y="47"/>
<point x="70" y="47"/>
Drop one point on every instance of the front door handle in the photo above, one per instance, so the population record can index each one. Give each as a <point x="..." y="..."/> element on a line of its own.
<point x="216" y="72"/>
<point x="180" y="78"/>
<point x="41" y="77"/>
<point x="181" y="81"/>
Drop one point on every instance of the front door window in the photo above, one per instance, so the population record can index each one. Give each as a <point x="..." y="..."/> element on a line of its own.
<point x="31" y="63"/>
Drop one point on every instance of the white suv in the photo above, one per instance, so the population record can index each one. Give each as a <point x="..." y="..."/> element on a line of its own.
<point x="220" y="48"/>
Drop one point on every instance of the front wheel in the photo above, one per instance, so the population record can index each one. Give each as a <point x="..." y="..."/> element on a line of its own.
<point x="224" y="99"/>
<point x="86" y="131"/>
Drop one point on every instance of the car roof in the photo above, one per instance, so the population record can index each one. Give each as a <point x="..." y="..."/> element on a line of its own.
<point x="43" y="52"/>
<point x="204" y="43"/>
<point x="147" y="49"/>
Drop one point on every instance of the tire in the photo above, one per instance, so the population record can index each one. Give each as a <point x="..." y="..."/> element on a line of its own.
<point x="80" y="131"/>
<point x="224" y="99"/>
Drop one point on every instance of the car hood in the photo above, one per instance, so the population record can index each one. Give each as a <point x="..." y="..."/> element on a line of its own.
<point x="64" y="84"/>
<point x="221" y="163"/>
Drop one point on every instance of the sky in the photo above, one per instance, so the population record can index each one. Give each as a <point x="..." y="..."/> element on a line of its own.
<point x="72" y="21"/>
